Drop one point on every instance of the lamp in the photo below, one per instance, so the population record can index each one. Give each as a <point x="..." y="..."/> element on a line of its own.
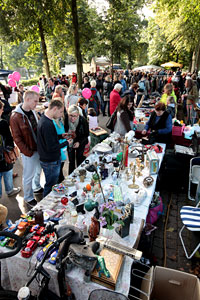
<point x="92" y="168"/>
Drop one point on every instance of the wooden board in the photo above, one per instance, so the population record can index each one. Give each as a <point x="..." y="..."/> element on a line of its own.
<point x="98" y="131"/>
<point x="113" y="262"/>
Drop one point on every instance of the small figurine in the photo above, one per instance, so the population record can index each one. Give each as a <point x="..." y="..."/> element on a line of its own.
<point x="101" y="266"/>
<point x="94" y="229"/>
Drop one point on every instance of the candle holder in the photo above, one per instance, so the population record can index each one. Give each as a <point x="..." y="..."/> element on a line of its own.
<point x="133" y="185"/>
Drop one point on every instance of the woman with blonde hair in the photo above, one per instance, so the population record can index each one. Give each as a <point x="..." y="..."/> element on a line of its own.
<point x="71" y="97"/>
<point x="58" y="92"/>
<point x="168" y="91"/>
<point x="77" y="127"/>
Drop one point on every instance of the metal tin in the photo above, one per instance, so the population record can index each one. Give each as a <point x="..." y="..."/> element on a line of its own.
<point x="153" y="162"/>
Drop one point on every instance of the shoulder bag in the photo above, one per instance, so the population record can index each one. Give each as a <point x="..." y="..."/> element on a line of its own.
<point x="112" y="121"/>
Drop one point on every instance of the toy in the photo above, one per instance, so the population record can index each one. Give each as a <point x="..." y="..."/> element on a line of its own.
<point x="101" y="267"/>
<point x="30" y="247"/>
<point x="4" y="242"/>
<point x="52" y="259"/>
<point x="22" y="225"/>
<point x="42" y="251"/>
<point x="42" y="240"/>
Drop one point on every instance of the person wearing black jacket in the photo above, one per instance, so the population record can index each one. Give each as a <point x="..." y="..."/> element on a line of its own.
<point x="160" y="124"/>
<point x="107" y="89"/>
<point x="48" y="145"/>
<point x="6" y="170"/>
<point x="77" y="127"/>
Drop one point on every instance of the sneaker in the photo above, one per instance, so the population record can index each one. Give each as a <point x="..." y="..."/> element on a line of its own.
<point x="14" y="192"/>
<point x="31" y="203"/>
<point x="40" y="191"/>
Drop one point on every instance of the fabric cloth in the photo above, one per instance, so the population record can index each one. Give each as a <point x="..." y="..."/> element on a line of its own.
<point x="48" y="140"/>
<point x="190" y="217"/>
<point x="51" y="172"/>
<point x="22" y="131"/>
<point x="114" y="100"/>
<point x="31" y="175"/>
<point x="8" y="181"/>
<point x="93" y="121"/>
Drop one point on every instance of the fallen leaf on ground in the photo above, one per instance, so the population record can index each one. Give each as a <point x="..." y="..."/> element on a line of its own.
<point x="170" y="229"/>
<point x="173" y="257"/>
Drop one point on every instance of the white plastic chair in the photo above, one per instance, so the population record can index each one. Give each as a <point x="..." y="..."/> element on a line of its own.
<point x="194" y="175"/>
<point x="190" y="217"/>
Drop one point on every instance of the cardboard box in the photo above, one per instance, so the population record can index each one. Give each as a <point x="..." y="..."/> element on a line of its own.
<point x="167" y="284"/>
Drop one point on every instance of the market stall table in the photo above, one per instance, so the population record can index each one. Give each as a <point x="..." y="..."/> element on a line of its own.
<point x="15" y="270"/>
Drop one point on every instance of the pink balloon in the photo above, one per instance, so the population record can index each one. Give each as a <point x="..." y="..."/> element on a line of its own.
<point x="16" y="76"/>
<point x="10" y="76"/>
<point x="86" y="93"/>
<point x="35" y="88"/>
<point x="12" y="83"/>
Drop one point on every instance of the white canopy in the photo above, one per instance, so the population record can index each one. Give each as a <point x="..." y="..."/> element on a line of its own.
<point x="147" y="68"/>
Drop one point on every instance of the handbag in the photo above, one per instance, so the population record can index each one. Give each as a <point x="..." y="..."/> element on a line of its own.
<point x="11" y="154"/>
<point x="112" y="121"/>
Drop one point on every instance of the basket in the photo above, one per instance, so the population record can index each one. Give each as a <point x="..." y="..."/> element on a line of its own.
<point x="178" y="130"/>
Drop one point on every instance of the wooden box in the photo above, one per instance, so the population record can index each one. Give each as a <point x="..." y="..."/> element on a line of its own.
<point x="113" y="261"/>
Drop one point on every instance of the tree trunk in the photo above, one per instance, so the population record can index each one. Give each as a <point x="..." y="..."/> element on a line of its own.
<point x="195" y="57"/>
<point x="77" y="42"/>
<point x="44" y="50"/>
<point x="1" y="57"/>
<point x="130" y="62"/>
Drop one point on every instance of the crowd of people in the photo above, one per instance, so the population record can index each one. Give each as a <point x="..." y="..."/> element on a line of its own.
<point x="47" y="140"/>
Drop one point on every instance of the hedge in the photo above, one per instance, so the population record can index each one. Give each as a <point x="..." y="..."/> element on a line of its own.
<point x="30" y="82"/>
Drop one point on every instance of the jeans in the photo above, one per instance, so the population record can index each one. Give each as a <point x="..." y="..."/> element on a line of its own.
<point x="8" y="181"/>
<point x="51" y="172"/>
<point x="31" y="175"/>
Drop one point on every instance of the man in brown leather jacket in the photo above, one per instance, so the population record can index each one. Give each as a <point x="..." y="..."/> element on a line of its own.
<point x="23" y="124"/>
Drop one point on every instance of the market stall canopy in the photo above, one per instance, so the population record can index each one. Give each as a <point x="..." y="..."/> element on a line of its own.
<point x="147" y="68"/>
<point x="172" y="64"/>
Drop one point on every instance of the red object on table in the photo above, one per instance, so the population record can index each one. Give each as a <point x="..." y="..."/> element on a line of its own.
<point x="64" y="200"/>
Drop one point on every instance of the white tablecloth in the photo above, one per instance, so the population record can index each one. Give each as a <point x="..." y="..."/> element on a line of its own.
<point x="14" y="272"/>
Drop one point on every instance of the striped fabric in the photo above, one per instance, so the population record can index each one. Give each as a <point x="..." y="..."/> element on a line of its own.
<point x="190" y="217"/>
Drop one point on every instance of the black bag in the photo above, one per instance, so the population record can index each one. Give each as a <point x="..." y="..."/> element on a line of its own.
<point x="112" y="121"/>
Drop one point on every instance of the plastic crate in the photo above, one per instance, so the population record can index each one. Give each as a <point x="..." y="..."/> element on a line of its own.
<point x="178" y="130"/>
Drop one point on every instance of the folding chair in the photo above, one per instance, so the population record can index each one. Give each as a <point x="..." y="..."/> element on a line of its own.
<point x="190" y="217"/>
<point x="194" y="175"/>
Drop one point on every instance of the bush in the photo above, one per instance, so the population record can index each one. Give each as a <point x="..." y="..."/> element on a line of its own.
<point x="30" y="82"/>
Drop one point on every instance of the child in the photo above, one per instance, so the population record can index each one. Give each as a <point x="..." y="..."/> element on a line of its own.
<point x="92" y="118"/>
<point x="171" y="106"/>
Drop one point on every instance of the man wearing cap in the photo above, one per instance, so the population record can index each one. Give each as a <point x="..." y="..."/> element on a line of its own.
<point x="115" y="97"/>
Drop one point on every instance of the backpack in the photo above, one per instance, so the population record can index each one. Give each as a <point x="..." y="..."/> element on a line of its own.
<point x="94" y="103"/>
<point x="142" y="85"/>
